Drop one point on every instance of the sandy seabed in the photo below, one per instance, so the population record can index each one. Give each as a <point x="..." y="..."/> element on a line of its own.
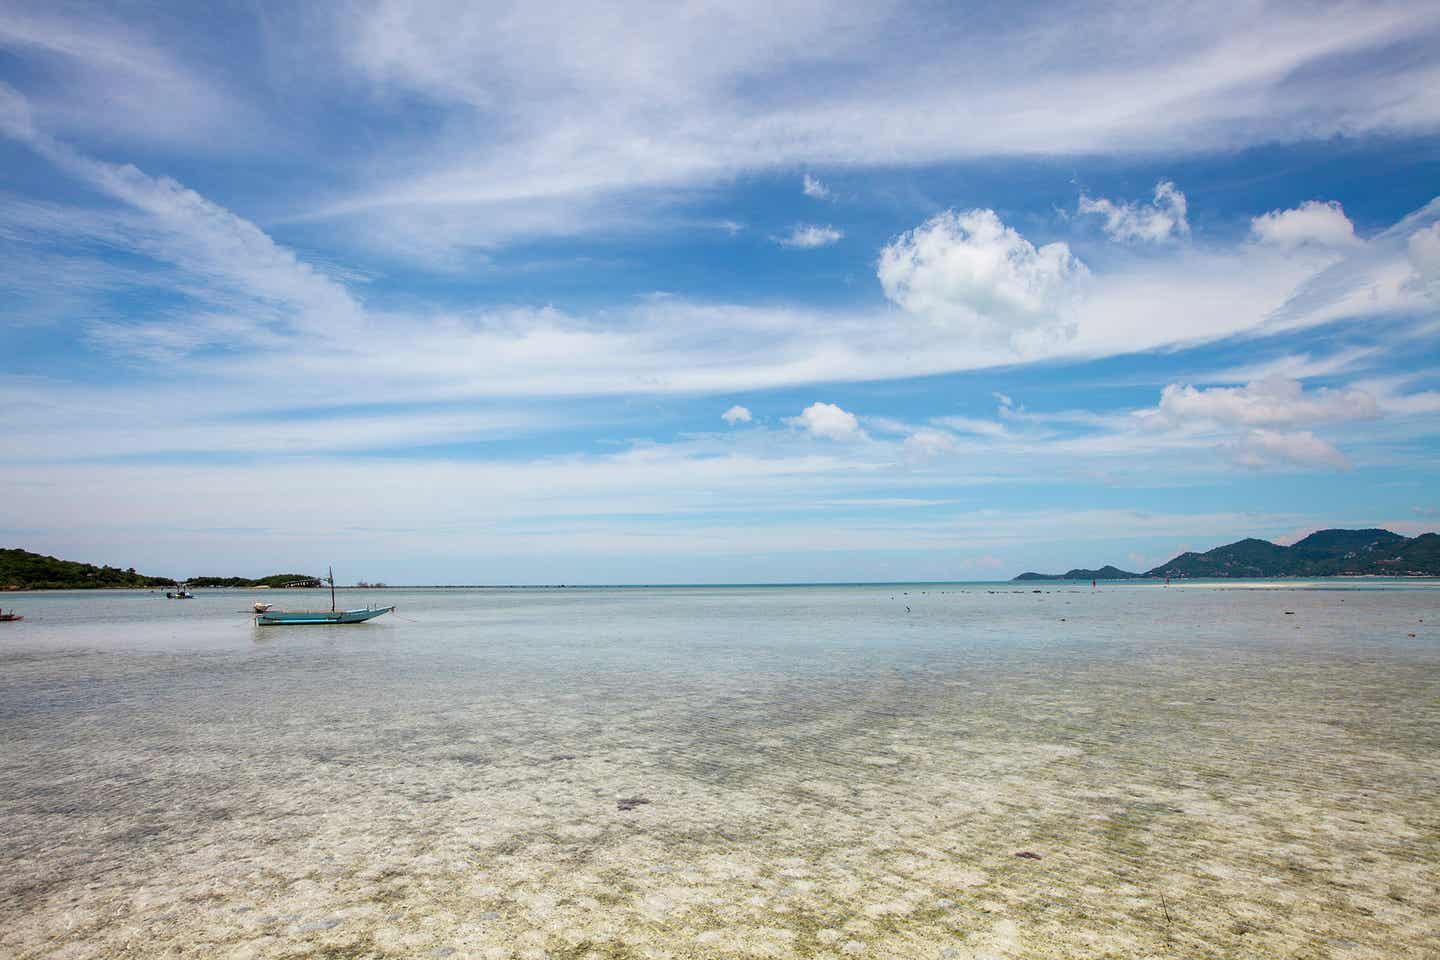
<point x="1267" y="797"/>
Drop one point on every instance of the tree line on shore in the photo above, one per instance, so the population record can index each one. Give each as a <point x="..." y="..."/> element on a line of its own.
<point x="23" y="570"/>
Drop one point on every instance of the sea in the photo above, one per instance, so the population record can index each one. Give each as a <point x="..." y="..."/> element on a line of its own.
<point x="967" y="771"/>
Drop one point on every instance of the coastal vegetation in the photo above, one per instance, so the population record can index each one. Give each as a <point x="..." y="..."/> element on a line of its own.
<point x="23" y="570"/>
<point x="275" y="580"/>
<point x="1325" y="553"/>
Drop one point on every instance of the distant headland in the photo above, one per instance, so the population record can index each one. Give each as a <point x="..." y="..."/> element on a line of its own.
<point x="23" y="570"/>
<point x="1325" y="553"/>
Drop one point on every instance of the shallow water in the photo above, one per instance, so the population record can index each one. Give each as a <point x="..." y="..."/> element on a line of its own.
<point x="1196" y="772"/>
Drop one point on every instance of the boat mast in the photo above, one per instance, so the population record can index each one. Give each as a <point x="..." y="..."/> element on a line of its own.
<point x="332" y="589"/>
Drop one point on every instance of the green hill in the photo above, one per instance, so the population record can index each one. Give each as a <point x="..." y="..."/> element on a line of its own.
<point x="1324" y="553"/>
<point x="1244" y="558"/>
<point x="1106" y="572"/>
<point x="23" y="570"/>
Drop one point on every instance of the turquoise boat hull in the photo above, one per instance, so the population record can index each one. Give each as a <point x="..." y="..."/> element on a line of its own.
<point x="278" y="618"/>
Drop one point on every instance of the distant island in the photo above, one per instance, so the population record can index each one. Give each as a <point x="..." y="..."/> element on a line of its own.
<point x="1325" y="553"/>
<point x="23" y="570"/>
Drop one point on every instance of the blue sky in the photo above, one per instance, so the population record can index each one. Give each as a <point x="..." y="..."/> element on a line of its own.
<point x="715" y="292"/>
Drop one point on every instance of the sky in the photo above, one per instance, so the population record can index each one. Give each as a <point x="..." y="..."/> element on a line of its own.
<point x="713" y="292"/>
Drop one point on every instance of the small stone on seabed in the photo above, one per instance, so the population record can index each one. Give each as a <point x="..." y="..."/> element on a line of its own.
<point x="1028" y="855"/>
<point x="317" y="925"/>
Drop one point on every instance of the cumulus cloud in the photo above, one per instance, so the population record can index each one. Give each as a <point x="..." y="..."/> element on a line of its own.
<point x="926" y="444"/>
<point x="1272" y="402"/>
<point x="805" y="236"/>
<point x="736" y="414"/>
<point x="1268" y="448"/>
<point x="1313" y="223"/>
<point x="1423" y="249"/>
<point x="814" y="188"/>
<point x="1160" y="220"/>
<point x="970" y="272"/>
<point x="828" y="420"/>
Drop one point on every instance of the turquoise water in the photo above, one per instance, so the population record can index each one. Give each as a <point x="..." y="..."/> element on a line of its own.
<point x="824" y="772"/>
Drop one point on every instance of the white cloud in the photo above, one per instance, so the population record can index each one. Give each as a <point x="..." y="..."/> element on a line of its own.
<point x="251" y="289"/>
<point x="736" y="414"/>
<point x="1274" y="401"/>
<point x="829" y="421"/>
<point x="1163" y="219"/>
<point x="974" y="425"/>
<point x="1266" y="448"/>
<point x="714" y="92"/>
<point x="972" y="274"/>
<point x="810" y="236"/>
<point x="98" y="72"/>
<point x="1313" y="222"/>
<point x="1423" y="249"/>
<point x="926" y="444"/>
<point x="239" y="299"/>
<point x="814" y="188"/>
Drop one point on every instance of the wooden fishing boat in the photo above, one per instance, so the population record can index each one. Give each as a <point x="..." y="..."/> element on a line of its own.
<point x="278" y="618"/>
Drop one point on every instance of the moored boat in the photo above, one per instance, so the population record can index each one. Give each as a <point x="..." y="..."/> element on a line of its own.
<point x="275" y="618"/>
<point x="266" y="617"/>
<point x="11" y="617"/>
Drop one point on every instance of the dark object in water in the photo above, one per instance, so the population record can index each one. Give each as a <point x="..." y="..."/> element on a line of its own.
<point x="12" y="616"/>
<point x="1028" y="855"/>
<point x="630" y="803"/>
<point x="1289" y="613"/>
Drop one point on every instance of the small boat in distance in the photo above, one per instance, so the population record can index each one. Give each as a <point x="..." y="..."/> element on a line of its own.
<point x="10" y="617"/>
<point x="275" y="618"/>
<point x="181" y="592"/>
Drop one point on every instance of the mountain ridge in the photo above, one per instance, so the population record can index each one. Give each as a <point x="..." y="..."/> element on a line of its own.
<point x="1325" y="553"/>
